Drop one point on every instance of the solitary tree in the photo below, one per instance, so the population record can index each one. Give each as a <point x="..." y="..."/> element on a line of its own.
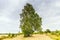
<point x="30" y="20"/>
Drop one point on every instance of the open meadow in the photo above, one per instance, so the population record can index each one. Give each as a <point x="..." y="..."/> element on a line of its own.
<point x="45" y="36"/>
<point x="34" y="37"/>
<point x="54" y="37"/>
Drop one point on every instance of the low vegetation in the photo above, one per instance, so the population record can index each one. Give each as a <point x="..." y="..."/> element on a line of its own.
<point x="9" y="35"/>
<point x="55" y="35"/>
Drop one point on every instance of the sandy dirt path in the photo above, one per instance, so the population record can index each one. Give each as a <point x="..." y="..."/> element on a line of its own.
<point x="35" y="37"/>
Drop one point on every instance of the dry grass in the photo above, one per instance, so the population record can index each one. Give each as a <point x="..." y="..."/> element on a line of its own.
<point x="34" y="37"/>
<point x="54" y="37"/>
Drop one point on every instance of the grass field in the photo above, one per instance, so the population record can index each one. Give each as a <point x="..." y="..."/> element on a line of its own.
<point x="47" y="36"/>
<point x="34" y="37"/>
<point x="54" y="37"/>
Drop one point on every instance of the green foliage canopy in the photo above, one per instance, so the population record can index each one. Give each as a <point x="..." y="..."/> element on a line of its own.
<point x="30" y="21"/>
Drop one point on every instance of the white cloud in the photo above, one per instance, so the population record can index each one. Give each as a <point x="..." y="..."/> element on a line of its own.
<point x="51" y="23"/>
<point x="4" y="19"/>
<point x="9" y="15"/>
<point x="57" y="4"/>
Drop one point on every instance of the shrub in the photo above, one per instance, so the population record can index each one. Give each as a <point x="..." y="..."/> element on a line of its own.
<point x="41" y="32"/>
<point x="53" y="33"/>
<point x="11" y="35"/>
<point x="47" y="31"/>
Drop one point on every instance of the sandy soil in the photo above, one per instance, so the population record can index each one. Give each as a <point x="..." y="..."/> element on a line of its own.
<point x="35" y="37"/>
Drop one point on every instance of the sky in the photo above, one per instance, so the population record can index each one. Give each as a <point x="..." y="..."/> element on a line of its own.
<point x="49" y="10"/>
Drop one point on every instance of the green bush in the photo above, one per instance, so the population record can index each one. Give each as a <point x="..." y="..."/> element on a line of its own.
<point x="40" y="32"/>
<point x="47" y="31"/>
<point x="11" y="35"/>
<point x="53" y="33"/>
<point x="57" y="33"/>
